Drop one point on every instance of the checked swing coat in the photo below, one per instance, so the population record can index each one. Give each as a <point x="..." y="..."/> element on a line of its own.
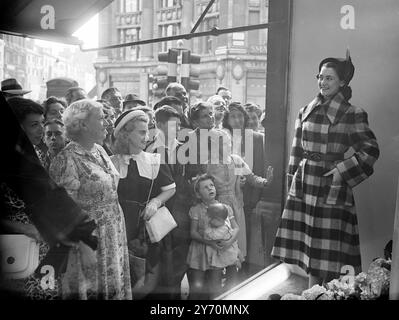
<point x="318" y="229"/>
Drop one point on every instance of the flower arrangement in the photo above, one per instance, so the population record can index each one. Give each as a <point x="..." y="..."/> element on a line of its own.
<point x="370" y="285"/>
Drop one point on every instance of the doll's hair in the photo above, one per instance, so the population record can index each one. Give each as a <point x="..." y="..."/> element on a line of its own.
<point x="217" y="211"/>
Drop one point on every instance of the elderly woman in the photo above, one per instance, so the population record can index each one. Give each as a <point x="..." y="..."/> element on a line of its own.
<point x="219" y="109"/>
<point x="84" y="169"/>
<point x="144" y="186"/>
<point x="318" y="229"/>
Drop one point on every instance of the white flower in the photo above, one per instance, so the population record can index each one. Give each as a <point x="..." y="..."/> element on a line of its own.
<point x="314" y="292"/>
<point x="291" y="296"/>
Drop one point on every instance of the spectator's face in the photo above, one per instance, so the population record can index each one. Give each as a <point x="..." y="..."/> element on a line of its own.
<point x="78" y="95"/>
<point x="54" y="138"/>
<point x="206" y="190"/>
<point x="253" y="122"/>
<point x="170" y="128"/>
<point x="138" y="134"/>
<point x="226" y="95"/>
<point x="151" y="121"/>
<point x="236" y="119"/>
<point x="116" y="101"/>
<point x="205" y="119"/>
<point x="95" y="126"/>
<point x="55" y="111"/>
<point x="219" y="108"/>
<point x="180" y="93"/>
<point x="329" y="82"/>
<point x="33" y="127"/>
<point x="109" y="118"/>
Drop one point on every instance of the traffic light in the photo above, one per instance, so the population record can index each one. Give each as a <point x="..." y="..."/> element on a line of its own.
<point x="190" y="70"/>
<point x="160" y="79"/>
<point x="171" y="58"/>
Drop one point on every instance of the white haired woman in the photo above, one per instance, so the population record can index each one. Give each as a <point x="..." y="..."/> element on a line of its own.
<point x="145" y="184"/>
<point x="85" y="170"/>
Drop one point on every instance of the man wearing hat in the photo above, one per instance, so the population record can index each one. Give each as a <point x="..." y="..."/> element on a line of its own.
<point x="132" y="101"/>
<point x="11" y="88"/>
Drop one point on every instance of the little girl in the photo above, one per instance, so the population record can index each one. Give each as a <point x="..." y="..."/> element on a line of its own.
<point x="205" y="280"/>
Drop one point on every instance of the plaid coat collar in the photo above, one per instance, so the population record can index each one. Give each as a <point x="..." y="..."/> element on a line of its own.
<point x="335" y="107"/>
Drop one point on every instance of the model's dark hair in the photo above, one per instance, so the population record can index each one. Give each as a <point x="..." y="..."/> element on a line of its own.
<point x="339" y="68"/>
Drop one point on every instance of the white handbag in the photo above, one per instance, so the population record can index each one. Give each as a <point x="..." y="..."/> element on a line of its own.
<point x="160" y="224"/>
<point x="19" y="256"/>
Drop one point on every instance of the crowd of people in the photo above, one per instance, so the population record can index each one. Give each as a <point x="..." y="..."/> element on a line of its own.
<point x="120" y="161"/>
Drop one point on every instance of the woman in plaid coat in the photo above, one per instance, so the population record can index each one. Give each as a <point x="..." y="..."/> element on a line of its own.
<point x="318" y="229"/>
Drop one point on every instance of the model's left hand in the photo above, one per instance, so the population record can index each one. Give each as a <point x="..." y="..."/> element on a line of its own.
<point x="336" y="176"/>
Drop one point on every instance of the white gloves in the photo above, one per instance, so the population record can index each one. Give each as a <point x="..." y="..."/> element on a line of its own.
<point x="151" y="208"/>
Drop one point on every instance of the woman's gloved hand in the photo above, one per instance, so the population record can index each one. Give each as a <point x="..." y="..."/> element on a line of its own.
<point x="151" y="208"/>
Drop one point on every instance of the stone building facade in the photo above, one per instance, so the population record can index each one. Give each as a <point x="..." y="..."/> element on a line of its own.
<point x="235" y="60"/>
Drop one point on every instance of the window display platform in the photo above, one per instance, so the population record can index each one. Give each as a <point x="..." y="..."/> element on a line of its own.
<point x="279" y="278"/>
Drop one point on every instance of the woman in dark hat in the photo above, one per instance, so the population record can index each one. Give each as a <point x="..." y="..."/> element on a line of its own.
<point x="318" y="229"/>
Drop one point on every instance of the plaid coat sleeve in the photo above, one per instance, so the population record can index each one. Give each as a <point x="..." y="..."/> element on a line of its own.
<point x="360" y="166"/>
<point x="296" y="149"/>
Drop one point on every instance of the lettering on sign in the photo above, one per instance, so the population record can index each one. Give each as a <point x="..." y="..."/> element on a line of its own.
<point x="348" y="18"/>
<point x="349" y="274"/>
<point x="48" y="20"/>
<point x="47" y="281"/>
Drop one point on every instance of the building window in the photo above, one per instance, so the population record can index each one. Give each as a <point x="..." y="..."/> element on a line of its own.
<point x="167" y="30"/>
<point x="253" y="36"/>
<point x="129" y="6"/>
<point x="207" y="45"/>
<point x="130" y="35"/>
<point x="169" y="3"/>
